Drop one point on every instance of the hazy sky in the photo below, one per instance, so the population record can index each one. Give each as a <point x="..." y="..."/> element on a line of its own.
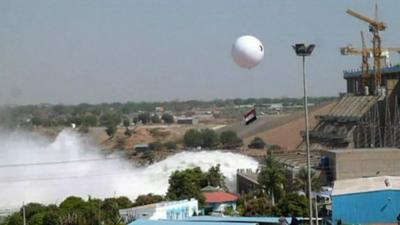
<point x="72" y="51"/>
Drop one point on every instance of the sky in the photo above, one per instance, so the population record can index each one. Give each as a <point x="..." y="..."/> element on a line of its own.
<point x="74" y="51"/>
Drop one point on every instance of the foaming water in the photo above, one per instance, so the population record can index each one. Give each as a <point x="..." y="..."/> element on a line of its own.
<point x="82" y="169"/>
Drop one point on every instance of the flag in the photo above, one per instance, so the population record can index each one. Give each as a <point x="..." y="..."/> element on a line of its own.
<point x="250" y="116"/>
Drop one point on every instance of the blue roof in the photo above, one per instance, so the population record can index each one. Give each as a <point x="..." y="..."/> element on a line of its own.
<point x="182" y="222"/>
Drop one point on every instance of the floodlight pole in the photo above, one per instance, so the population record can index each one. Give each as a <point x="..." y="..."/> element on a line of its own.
<point x="303" y="50"/>
<point x="307" y="138"/>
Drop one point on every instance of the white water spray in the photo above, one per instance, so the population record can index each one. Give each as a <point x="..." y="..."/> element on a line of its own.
<point x="82" y="170"/>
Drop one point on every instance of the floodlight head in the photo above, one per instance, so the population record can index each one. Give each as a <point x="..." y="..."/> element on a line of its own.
<point x="303" y="50"/>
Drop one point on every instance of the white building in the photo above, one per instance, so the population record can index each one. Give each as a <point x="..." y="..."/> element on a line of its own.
<point x="173" y="210"/>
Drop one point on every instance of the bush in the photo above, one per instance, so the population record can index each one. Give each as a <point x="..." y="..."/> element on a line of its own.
<point x="257" y="143"/>
<point x="155" y="145"/>
<point x="170" y="145"/>
<point x="167" y="118"/>
<point x="155" y="119"/>
<point x="229" y="139"/>
<point x="192" y="138"/>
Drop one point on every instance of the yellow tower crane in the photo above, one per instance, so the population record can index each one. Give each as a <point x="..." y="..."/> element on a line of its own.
<point x="374" y="27"/>
<point x="365" y="54"/>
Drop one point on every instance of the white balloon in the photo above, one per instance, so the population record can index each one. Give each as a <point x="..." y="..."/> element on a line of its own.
<point x="247" y="51"/>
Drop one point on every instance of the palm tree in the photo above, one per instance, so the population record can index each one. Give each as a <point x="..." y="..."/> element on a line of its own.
<point x="271" y="178"/>
<point x="300" y="181"/>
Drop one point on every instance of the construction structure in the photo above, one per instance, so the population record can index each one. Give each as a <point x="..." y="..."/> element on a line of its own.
<point x="367" y="116"/>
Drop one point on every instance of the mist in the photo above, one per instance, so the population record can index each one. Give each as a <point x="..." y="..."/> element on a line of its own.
<point x="34" y="169"/>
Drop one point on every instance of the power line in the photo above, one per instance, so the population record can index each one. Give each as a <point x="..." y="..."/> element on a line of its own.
<point x="57" y="162"/>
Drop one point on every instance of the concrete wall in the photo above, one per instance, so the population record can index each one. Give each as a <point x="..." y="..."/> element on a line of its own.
<point x="357" y="163"/>
<point x="367" y="207"/>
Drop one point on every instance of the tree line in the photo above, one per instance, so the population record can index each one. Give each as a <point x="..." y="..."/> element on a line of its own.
<point x="59" y="114"/>
<point x="210" y="139"/>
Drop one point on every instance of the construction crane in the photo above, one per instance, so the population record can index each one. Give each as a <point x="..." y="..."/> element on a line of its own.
<point x="365" y="54"/>
<point x="374" y="27"/>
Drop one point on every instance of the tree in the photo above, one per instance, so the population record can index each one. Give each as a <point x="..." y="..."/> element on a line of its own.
<point x="215" y="177"/>
<point x="293" y="203"/>
<point x="300" y="181"/>
<point x="257" y="143"/>
<point x="230" y="139"/>
<point x="126" y="122"/>
<point x="149" y="156"/>
<point x="144" y="117"/>
<point x="167" y="118"/>
<point x="256" y="206"/>
<point x="155" y="119"/>
<point x="209" y="138"/>
<point x="170" y="145"/>
<point x="148" y="199"/>
<point x="71" y="203"/>
<point x="157" y="145"/>
<point x="186" y="184"/>
<point x="111" y="130"/>
<point x="128" y="132"/>
<point x="192" y="138"/>
<point x="271" y="178"/>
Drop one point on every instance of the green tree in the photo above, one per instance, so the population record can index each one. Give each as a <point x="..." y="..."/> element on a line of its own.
<point x="271" y="179"/>
<point x="215" y="177"/>
<point x="209" y="138"/>
<point x="111" y="130"/>
<point x="167" y="118"/>
<point x="50" y="218"/>
<point x="14" y="219"/>
<point x="255" y="206"/>
<point x="149" y="156"/>
<point x="170" y="145"/>
<point x="148" y="199"/>
<point x="33" y="208"/>
<point x="257" y="143"/>
<point x="155" y="119"/>
<point x="144" y="117"/>
<point x="300" y="181"/>
<point x="126" y="122"/>
<point x="192" y="138"/>
<point x="157" y="145"/>
<point x="293" y="203"/>
<point x="230" y="139"/>
<point x="89" y="120"/>
<point x="72" y="203"/>
<point x="186" y="184"/>
<point x="128" y="132"/>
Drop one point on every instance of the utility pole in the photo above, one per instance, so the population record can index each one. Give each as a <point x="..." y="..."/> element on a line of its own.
<point x="23" y="213"/>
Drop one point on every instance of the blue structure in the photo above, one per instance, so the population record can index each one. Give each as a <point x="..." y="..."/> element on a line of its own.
<point x="366" y="200"/>
<point x="180" y="222"/>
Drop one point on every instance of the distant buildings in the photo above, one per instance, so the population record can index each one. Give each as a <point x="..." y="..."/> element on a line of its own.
<point x="173" y="210"/>
<point x="366" y="200"/>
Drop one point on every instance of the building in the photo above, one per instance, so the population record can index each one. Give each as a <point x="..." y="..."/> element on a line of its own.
<point x="366" y="200"/>
<point x="246" y="181"/>
<point x="167" y="222"/>
<point x="173" y="210"/>
<point x="217" y="200"/>
<point x="141" y="147"/>
<point x="187" y="120"/>
<point x="341" y="164"/>
<point x="217" y="220"/>
<point x="366" y="117"/>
